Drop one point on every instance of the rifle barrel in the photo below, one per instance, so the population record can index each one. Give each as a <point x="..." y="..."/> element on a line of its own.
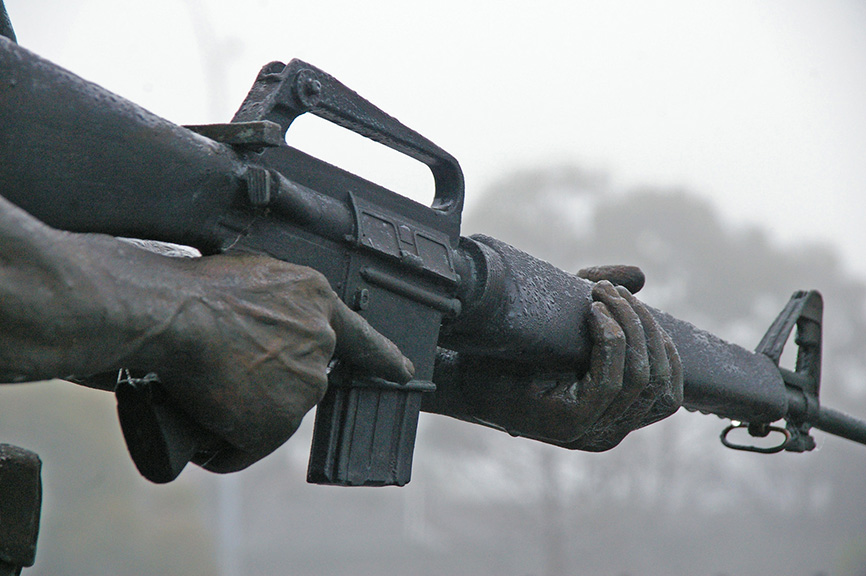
<point x="840" y="424"/>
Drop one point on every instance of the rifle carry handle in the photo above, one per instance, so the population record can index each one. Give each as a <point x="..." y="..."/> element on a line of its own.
<point x="282" y="92"/>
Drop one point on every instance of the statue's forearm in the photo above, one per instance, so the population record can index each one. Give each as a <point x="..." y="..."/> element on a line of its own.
<point x="68" y="303"/>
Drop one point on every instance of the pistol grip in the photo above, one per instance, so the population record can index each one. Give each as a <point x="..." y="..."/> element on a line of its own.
<point x="160" y="438"/>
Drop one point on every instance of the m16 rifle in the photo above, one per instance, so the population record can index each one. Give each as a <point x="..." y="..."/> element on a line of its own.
<point x="109" y="166"/>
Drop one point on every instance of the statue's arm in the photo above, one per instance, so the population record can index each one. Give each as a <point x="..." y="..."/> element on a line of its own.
<point x="240" y="343"/>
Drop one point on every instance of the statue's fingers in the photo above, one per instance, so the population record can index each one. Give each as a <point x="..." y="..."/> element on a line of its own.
<point x="667" y="397"/>
<point x="361" y="345"/>
<point x="677" y="381"/>
<point x="607" y="362"/>
<point x="670" y="397"/>
<point x="601" y="385"/>
<point x="631" y="277"/>
<point x="660" y="368"/>
<point x="636" y="373"/>
<point x="227" y="460"/>
<point x="663" y="395"/>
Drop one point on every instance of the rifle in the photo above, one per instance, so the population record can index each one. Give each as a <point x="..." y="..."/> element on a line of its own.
<point x="402" y="265"/>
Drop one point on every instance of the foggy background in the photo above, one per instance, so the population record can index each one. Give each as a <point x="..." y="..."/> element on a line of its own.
<point x="719" y="146"/>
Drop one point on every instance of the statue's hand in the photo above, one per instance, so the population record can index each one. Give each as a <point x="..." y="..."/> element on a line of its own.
<point x="241" y="343"/>
<point x="635" y="376"/>
<point x="252" y="351"/>
<point x="634" y="379"/>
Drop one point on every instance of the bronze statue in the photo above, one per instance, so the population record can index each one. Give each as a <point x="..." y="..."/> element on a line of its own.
<point x="246" y="341"/>
<point x="241" y="344"/>
<point x="240" y="341"/>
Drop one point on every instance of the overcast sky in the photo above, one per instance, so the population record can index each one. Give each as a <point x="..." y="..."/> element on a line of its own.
<point x="758" y="106"/>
